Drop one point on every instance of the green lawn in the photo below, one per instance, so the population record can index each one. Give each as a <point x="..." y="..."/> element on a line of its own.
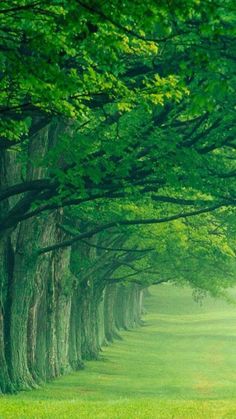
<point x="181" y="364"/>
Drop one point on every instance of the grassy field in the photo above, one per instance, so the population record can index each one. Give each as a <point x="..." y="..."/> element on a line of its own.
<point x="180" y="364"/>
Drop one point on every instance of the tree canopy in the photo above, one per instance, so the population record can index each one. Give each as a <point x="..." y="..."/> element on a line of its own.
<point x="123" y="115"/>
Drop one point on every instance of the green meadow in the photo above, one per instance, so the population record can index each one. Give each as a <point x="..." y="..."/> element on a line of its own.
<point x="180" y="364"/>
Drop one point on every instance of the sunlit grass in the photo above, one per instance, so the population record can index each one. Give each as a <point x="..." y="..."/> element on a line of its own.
<point x="181" y="364"/>
<point x="130" y="409"/>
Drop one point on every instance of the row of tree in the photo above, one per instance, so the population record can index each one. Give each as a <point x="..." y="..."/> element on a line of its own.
<point x="117" y="169"/>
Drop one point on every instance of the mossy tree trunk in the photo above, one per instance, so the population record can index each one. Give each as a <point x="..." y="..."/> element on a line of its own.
<point x="75" y="351"/>
<point x="5" y="301"/>
<point x="111" y="331"/>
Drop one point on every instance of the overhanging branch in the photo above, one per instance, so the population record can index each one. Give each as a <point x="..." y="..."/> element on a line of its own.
<point x="108" y="226"/>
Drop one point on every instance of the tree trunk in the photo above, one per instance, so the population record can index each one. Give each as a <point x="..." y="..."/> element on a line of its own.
<point x="89" y="328"/>
<point x="111" y="331"/>
<point x="75" y="351"/>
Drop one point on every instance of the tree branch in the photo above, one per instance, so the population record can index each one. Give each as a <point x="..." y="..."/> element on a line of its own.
<point x="108" y="226"/>
<point x="110" y="249"/>
<point x="19" y="188"/>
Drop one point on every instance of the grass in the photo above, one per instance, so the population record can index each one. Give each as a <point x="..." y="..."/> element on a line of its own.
<point x="181" y="364"/>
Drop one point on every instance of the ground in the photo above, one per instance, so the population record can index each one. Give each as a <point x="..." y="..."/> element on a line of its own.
<point x="180" y="364"/>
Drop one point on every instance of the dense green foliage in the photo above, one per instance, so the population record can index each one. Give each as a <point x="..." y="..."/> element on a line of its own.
<point x="117" y="165"/>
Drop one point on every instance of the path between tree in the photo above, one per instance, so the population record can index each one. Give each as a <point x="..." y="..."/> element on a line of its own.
<point x="180" y="364"/>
